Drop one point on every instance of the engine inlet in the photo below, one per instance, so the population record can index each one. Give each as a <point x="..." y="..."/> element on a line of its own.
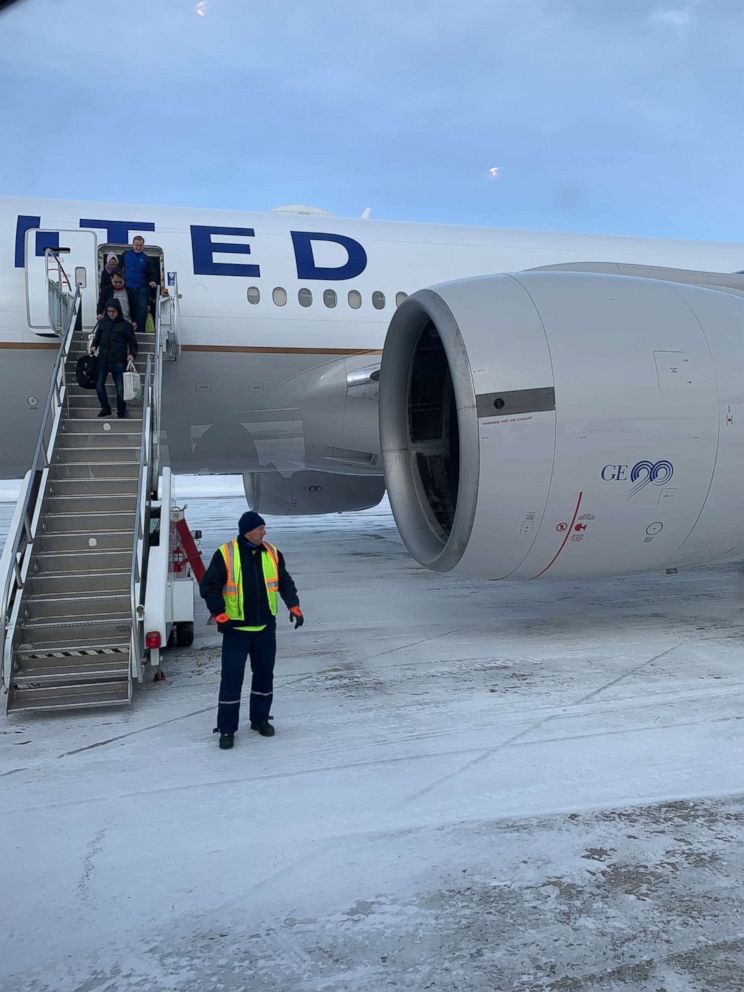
<point x="427" y="425"/>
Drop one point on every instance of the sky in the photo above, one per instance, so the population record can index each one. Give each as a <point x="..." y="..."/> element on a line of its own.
<point x="611" y="117"/>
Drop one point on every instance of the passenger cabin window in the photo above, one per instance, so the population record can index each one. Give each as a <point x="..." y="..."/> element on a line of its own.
<point x="305" y="297"/>
<point x="399" y="297"/>
<point x="378" y="300"/>
<point x="279" y="296"/>
<point x="355" y="299"/>
<point x="329" y="297"/>
<point x="254" y="294"/>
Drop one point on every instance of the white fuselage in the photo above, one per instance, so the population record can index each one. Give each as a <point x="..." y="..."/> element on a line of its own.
<point x="239" y="396"/>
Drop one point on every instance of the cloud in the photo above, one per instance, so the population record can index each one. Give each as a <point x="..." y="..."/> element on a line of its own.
<point x="679" y="19"/>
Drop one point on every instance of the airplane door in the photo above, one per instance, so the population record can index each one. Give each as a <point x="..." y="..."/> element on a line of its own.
<point x="76" y="248"/>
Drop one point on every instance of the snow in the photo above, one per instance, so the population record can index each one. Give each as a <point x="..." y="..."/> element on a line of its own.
<point x="473" y="786"/>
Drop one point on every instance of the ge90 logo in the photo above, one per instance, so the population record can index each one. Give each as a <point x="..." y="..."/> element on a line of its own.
<point x="642" y="473"/>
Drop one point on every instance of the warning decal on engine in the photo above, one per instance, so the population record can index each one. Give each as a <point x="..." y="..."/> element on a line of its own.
<point x="511" y="402"/>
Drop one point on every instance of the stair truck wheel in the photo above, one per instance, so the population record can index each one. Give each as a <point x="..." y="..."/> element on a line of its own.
<point x="184" y="634"/>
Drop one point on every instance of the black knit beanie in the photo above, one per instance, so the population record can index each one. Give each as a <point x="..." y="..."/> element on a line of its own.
<point x="249" y="521"/>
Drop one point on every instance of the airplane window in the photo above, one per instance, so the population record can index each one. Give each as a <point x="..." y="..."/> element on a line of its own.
<point x="305" y="297"/>
<point x="254" y="294"/>
<point x="399" y="297"/>
<point x="355" y="299"/>
<point x="378" y="300"/>
<point x="329" y="297"/>
<point x="279" y="296"/>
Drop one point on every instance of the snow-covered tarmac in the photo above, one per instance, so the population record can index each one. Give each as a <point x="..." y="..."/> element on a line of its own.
<point x="473" y="786"/>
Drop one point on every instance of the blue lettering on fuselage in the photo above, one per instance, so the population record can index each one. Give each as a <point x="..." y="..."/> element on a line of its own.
<point x="117" y="231"/>
<point x="204" y="248"/>
<point x="302" y="241"/>
<point x="44" y="239"/>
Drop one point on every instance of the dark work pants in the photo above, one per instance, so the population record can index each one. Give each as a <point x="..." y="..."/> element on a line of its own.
<point x="237" y="645"/>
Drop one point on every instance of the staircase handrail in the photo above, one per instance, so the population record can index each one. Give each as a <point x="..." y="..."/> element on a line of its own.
<point x="60" y="306"/>
<point x="166" y="347"/>
<point x="160" y="304"/>
<point x="19" y="539"/>
<point x="168" y="303"/>
<point x="144" y="486"/>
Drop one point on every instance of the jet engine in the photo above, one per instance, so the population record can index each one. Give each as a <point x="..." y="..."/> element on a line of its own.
<point x="567" y="423"/>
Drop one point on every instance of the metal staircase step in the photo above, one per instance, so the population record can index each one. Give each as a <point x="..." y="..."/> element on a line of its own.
<point x="145" y="350"/>
<point x="79" y="583"/>
<point x="64" y="697"/>
<point x="64" y="563"/>
<point x="103" y="469"/>
<point x="35" y="670"/>
<point x="76" y="605"/>
<point x="84" y="455"/>
<point x="104" y="441"/>
<point x="144" y="340"/>
<point x="83" y="541"/>
<point x="92" y="487"/>
<point x="82" y="399"/>
<point x="94" y="631"/>
<point x="94" y="426"/>
<point x="88" y="523"/>
<point x="90" y="503"/>
<point x="29" y="656"/>
<point x="87" y="407"/>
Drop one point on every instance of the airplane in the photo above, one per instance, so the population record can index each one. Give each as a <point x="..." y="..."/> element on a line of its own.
<point x="537" y="405"/>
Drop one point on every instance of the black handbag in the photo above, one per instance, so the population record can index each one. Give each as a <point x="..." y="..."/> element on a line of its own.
<point x="86" y="371"/>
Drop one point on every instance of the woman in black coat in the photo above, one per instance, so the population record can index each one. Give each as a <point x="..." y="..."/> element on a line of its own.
<point x="117" y="346"/>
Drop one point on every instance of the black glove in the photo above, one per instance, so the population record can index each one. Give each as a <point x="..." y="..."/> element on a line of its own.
<point x="223" y="623"/>
<point x="295" y="615"/>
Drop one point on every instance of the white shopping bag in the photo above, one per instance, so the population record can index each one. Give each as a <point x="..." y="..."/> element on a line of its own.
<point x="132" y="385"/>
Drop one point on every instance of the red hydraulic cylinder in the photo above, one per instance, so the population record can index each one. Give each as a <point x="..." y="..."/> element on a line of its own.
<point x="193" y="555"/>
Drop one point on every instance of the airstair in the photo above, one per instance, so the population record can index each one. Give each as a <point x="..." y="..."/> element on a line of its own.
<point x="74" y="567"/>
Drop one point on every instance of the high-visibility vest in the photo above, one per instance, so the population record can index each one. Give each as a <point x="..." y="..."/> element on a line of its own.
<point x="233" y="588"/>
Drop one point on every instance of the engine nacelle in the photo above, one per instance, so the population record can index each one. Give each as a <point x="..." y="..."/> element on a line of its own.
<point x="565" y="424"/>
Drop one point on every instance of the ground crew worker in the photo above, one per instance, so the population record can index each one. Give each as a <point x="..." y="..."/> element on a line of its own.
<point x="240" y="589"/>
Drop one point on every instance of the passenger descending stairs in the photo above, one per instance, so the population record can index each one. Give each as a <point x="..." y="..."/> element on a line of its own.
<point x="75" y="617"/>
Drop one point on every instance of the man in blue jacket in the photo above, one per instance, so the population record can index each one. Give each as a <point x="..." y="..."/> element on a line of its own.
<point x="139" y="276"/>
<point x="240" y="588"/>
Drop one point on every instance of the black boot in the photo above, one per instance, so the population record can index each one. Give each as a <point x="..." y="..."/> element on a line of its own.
<point x="263" y="727"/>
<point x="227" y="739"/>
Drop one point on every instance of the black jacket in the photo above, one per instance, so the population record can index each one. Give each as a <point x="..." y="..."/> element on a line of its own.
<point x="255" y="601"/>
<point x="115" y="338"/>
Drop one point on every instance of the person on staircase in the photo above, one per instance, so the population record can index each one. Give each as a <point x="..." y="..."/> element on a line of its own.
<point x="118" y="291"/>
<point x="241" y="589"/>
<point x="117" y="346"/>
<point x="111" y="266"/>
<point x="140" y="275"/>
